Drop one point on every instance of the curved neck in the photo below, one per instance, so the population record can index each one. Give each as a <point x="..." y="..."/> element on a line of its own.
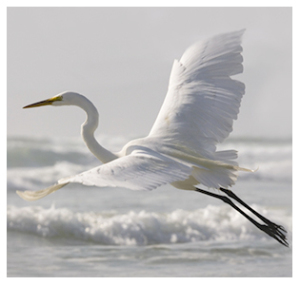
<point x="87" y="131"/>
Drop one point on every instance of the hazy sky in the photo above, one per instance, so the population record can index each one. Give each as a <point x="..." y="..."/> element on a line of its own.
<point x="121" y="58"/>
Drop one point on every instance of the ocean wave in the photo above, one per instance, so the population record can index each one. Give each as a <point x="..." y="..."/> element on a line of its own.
<point x="272" y="160"/>
<point x="39" y="152"/>
<point x="213" y="223"/>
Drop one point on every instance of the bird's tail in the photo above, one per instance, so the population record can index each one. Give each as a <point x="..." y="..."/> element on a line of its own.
<point x="216" y="174"/>
<point x="36" y="195"/>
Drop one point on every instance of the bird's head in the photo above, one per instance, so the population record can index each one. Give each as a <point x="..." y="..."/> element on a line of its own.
<point x="62" y="99"/>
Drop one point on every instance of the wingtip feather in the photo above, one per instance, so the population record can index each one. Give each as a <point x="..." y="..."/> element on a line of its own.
<point x="36" y="195"/>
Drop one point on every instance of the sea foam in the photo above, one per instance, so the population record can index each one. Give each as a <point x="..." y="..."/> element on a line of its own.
<point x="212" y="223"/>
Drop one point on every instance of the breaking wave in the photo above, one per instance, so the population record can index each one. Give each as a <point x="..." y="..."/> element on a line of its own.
<point x="212" y="223"/>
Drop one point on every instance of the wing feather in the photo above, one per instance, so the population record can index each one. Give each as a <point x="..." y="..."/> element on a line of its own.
<point x="202" y="100"/>
<point x="140" y="170"/>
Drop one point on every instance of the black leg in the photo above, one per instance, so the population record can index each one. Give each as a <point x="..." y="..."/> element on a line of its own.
<point x="268" y="222"/>
<point x="273" y="230"/>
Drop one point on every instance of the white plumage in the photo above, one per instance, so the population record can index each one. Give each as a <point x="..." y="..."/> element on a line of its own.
<point x="198" y="112"/>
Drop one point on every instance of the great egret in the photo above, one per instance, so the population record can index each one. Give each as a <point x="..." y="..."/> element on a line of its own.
<point x="198" y="112"/>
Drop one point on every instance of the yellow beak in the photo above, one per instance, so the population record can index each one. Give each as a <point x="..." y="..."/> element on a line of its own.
<point x="44" y="102"/>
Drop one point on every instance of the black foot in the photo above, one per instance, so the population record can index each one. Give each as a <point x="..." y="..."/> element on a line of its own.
<point x="275" y="231"/>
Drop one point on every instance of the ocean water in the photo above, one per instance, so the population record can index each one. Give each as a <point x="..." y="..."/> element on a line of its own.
<point x="84" y="231"/>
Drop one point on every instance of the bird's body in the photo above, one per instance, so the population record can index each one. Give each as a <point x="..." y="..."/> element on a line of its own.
<point x="198" y="112"/>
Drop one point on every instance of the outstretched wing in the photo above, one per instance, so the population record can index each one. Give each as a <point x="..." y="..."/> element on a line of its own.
<point x="141" y="170"/>
<point x="202" y="100"/>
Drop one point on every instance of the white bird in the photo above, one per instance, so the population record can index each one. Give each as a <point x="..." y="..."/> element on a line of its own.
<point x="198" y="112"/>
